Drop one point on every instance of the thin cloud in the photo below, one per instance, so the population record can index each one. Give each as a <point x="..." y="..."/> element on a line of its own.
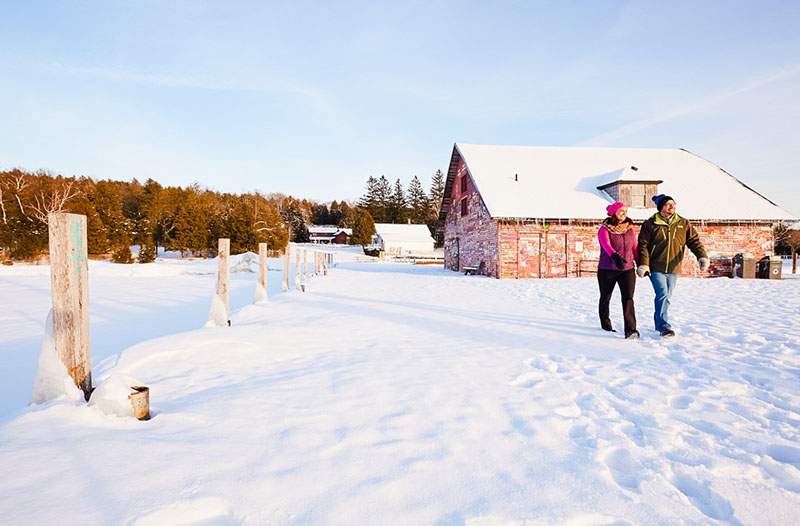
<point x="712" y="100"/>
<point x="183" y="81"/>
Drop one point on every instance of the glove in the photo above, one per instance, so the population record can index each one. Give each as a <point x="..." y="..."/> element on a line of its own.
<point x="642" y="271"/>
<point x="704" y="264"/>
<point x="618" y="261"/>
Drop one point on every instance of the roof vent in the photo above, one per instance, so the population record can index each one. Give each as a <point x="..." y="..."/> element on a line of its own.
<point x="634" y="169"/>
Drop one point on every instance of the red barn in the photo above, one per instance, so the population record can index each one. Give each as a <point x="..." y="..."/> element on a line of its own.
<point x="533" y="212"/>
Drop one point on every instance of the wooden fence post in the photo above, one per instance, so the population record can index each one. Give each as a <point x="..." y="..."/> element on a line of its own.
<point x="324" y="263"/>
<point x="297" y="269"/>
<point x="287" y="263"/>
<point x="223" y="275"/>
<point x="316" y="263"/>
<point x="262" y="267"/>
<point x="69" y="282"/>
<point x="305" y="265"/>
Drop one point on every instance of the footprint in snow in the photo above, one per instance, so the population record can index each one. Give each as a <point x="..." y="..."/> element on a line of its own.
<point x="189" y="512"/>
<point x="783" y="464"/>
<point x="546" y="364"/>
<point x="705" y="499"/>
<point x="785" y="454"/>
<point x="580" y="435"/>
<point x="787" y="475"/>
<point x="623" y="468"/>
<point x="527" y="379"/>
<point x="681" y="402"/>
<point x="568" y="411"/>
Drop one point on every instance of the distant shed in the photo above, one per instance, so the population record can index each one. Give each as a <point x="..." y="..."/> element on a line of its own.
<point x="329" y="235"/>
<point x="401" y="239"/>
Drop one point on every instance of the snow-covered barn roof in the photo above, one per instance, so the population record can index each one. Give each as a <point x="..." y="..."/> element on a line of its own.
<point x="562" y="182"/>
<point x="400" y="233"/>
<point x="329" y="230"/>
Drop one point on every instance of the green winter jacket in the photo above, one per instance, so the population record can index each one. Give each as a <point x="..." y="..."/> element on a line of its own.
<point x="661" y="245"/>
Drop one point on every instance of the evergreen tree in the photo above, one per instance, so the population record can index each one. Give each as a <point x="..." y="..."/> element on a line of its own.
<point x="97" y="238"/>
<point x="147" y="253"/>
<point x="436" y="196"/>
<point x="334" y="213"/>
<point x="396" y="208"/>
<point x="320" y="215"/>
<point x="240" y="226"/>
<point x="369" y="201"/>
<point x="437" y="192"/>
<point x="190" y="223"/>
<point x="268" y="224"/>
<point x="347" y="217"/>
<point x="131" y="196"/>
<point x="363" y="227"/>
<point x="122" y="254"/>
<point x="108" y="205"/>
<point x="383" y="193"/>
<point x="419" y="207"/>
<point x="156" y="216"/>
<point x="292" y="214"/>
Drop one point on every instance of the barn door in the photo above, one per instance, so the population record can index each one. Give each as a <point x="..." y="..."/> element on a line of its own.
<point x="529" y="261"/>
<point x="555" y="256"/>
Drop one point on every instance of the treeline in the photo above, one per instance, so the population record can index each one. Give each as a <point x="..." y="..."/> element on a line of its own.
<point x="392" y="204"/>
<point x="120" y="214"/>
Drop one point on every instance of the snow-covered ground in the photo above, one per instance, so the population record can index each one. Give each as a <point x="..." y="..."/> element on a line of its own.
<point x="400" y="394"/>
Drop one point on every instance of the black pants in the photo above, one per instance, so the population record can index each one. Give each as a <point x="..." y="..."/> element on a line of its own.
<point x="626" y="279"/>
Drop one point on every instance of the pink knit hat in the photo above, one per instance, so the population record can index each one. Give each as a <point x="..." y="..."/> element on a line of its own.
<point x="612" y="209"/>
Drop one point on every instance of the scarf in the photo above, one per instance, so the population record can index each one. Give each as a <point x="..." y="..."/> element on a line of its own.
<point x="619" y="228"/>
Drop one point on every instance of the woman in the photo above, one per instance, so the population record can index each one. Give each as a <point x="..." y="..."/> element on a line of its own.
<point x="618" y="251"/>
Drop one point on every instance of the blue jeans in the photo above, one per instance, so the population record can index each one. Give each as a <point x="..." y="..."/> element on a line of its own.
<point x="663" y="285"/>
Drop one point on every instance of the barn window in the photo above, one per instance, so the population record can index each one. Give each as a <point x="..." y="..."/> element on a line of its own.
<point x="463" y="183"/>
<point x="464" y="206"/>
<point x="637" y="196"/>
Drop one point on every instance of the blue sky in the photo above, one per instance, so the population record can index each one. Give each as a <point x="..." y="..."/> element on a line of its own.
<point x="311" y="98"/>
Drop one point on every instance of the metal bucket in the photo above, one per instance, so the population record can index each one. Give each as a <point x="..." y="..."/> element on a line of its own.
<point x="140" y="400"/>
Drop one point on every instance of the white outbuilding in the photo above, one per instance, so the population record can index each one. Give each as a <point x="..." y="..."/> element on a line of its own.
<point x="402" y="239"/>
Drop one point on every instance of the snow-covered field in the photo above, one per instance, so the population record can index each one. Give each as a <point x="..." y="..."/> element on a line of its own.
<point x="400" y="394"/>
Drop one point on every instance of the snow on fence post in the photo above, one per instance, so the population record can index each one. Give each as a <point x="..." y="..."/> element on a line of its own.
<point x="223" y="275"/>
<point x="297" y="269"/>
<point x="287" y="262"/>
<point x="69" y="282"/>
<point x="261" y="287"/>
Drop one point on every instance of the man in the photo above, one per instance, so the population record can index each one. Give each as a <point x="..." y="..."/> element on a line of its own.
<point x="662" y="240"/>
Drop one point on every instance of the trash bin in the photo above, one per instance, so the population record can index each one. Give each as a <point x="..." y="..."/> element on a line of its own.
<point x="769" y="267"/>
<point x="744" y="266"/>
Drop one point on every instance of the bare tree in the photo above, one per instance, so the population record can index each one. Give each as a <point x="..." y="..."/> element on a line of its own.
<point x="789" y="237"/>
<point x="51" y="199"/>
<point x="19" y="182"/>
<point x="2" y="202"/>
<point x="13" y="183"/>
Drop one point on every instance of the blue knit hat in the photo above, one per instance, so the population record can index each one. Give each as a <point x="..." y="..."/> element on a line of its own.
<point x="660" y="200"/>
